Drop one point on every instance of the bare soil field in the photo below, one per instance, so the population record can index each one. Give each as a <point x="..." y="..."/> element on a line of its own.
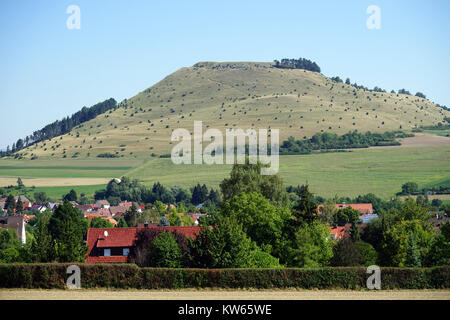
<point x="420" y="140"/>
<point x="209" y="294"/>
<point x="53" y="182"/>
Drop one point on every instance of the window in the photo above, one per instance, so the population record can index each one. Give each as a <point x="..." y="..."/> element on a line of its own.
<point x="126" y="251"/>
<point x="107" y="252"/>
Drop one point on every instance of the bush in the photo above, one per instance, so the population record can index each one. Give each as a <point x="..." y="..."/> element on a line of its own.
<point x="124" y="276"/>
<point x="107" y="155"/>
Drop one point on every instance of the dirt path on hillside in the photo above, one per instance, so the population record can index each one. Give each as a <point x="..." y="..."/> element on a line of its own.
<point x="22" y="294"/>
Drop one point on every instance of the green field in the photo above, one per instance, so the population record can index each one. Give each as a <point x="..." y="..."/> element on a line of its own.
<point x="66" y="168"/>
<point x="380" y="171"/>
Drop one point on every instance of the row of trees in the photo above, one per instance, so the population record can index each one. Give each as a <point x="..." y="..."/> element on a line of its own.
<point x="133" y="190"/>
<point x="375" y="89"/>
<point x="300" y="63"/>
<point x="61" y="127"/>
<point x="353" y="139"/>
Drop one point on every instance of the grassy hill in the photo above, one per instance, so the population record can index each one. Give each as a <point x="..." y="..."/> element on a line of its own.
<point x="241" y="95"/>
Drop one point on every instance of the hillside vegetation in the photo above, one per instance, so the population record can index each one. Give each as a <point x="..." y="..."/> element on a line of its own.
<point x="243" y="95"/>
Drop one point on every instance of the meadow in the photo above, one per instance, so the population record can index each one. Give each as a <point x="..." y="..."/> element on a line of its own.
<point x="381" y="171"/>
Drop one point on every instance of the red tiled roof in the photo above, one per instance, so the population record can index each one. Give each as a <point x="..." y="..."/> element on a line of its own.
<point x="91" y="216"/>
<point x="125" y="204"/>
<point x="104" y="212"/>
<point x="365" y="208"/>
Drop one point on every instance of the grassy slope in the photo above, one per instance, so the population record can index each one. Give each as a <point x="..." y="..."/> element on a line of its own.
<point x="242" y="95"/>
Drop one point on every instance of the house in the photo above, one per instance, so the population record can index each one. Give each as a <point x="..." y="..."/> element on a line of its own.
<point x="25" y="202"/>
<point x="103" y="212"/>
<point x="103" y="204"/>
<point x="17" y="223"/>
<point x="86" y="208"/>
<point x="366" y="218"/>
<point x="438" y="221"/>
<point x="339" y="232"/>
<point x="118" y="211"/>
<point x="52" y="206"/>
<point x="112" y="245"/>
<point x="128" y="205"/>
<point x="38" y="207"/>
<point x="363" y="208"/>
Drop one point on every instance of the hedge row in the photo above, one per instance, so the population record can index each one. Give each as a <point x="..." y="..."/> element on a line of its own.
<point x="53" y="275"/>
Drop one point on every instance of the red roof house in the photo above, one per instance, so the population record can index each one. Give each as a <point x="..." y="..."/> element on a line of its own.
<point x="108" y="245"/>
<point x="363" y="208"/>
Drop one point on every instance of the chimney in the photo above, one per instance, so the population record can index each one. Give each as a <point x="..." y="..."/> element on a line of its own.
<point x="146" y="224"/>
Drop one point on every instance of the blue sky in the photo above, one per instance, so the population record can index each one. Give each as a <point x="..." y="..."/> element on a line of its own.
<point x="123" y="47"/>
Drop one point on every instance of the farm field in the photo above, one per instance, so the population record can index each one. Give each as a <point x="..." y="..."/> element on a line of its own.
<point x="207" y="294"/>
<point x="379" y="170"/>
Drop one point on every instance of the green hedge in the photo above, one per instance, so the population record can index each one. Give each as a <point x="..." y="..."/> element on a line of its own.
<point x="53" y="275"/>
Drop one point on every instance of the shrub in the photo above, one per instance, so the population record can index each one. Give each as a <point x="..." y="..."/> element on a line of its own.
<point x="124" y="276"/>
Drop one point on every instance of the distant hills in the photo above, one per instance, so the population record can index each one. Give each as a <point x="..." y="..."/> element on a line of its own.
<point x="244" y="95"/>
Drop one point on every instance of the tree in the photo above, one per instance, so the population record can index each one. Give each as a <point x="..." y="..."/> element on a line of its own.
<point x="436" y="203"/>
<point x="261" y="221"/>
<point x="164" y="222"/>
<point x="367" y="253"/>
<point x="420" y="95"/>
<point x="311" y="247"/>
<point x="20" y="184"/>
<point x="246" y="178"/>
<point x="160" y="207"/>
<point x="71" y="196"/>
<point x="354" y="232"/>
<point x="397" y="246"/>
<point x="131" y="216"/>
<point x="9" y="246"/>
<point x="223" y="246"/>
<point x="214" y="196"/>
<point x="327" y="212"/>
<point x="10" y="204"/>
<point x="19" y="205"/>
<point x="43" y="247"/>
<point x="410" y="188"/>
<point x="412" y="253"/>
<point x="121" y="223"/>
<point x="41" y="197"/>
<point x="439" y="254"/>
<point x="345" y="253"/>
<point x="67" y="228"/>
<point x="199" y="194"/>
<point x="98" y="222"/>
<point x="165" y="252"/>
<point x="346" y="215"/>
<point x="306" y="209"/>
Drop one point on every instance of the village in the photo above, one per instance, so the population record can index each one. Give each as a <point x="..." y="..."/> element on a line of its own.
<point x="112" y="244"/>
